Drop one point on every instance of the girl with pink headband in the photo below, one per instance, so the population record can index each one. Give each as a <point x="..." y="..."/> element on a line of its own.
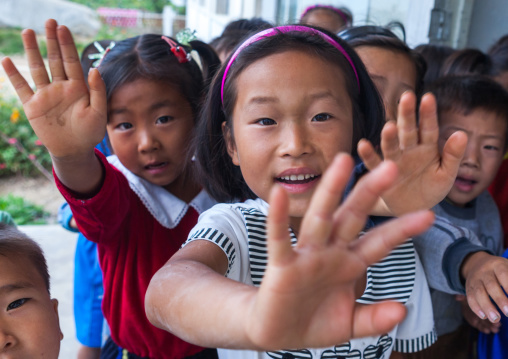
<point x="289" y="267"/>
<point x="327" y="17"/>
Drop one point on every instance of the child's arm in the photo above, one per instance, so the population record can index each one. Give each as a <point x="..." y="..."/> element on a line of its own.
<point x="68" y="118"/>
<point x="307" y="296"/>
<point x="425" y="175"/>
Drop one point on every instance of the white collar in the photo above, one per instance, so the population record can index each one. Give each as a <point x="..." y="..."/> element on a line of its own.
<point x="167" y="209"/>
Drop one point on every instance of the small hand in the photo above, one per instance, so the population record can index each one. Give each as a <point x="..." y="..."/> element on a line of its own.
<point x="307" y="297"/>
<point x="425" y="175"/>
<point x="486" y="276"/>
<point x="482" y="325"/>
<point x="68" y="118"/>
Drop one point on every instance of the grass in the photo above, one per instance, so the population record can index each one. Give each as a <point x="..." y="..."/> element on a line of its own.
<point x="22" y="211"/>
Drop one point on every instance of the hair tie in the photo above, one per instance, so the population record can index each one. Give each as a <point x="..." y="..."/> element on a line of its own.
<point x="181" y="55"/>
<point x="275" y="31"/>
<point x="99" y="56"/>
<point x="334" y="9"/>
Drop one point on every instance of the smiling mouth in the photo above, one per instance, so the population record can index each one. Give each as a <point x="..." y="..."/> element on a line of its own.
<point x="297" y="179"/>
<point x="465" y="181"/>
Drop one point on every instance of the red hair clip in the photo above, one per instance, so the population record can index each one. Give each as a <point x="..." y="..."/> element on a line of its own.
<point x="179" y="52"/>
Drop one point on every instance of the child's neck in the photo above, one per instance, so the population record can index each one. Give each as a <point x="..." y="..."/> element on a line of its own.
<point x="184" y="188"/>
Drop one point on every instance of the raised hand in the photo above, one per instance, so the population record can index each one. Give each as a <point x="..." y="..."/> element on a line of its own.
<point x="307" y="297"/>
<point x="67" y="117"/>
<point x="308" y="293"/>
<point x="425" y="175"/>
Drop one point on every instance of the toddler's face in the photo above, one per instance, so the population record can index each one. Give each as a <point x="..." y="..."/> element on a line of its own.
<point x="484" y="151"/>
<point x="292" y="115"/>
<point x="393" y="74"/>
<point x="29" y="326"/>
<point x="150" y="126"/>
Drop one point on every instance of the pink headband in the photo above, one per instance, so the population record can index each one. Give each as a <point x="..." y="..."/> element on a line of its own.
<point x="275" y="31"/>
<point x="334" y="9"/>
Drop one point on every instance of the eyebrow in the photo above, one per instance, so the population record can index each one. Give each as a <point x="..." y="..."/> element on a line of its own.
<point x="494" y="136"/>
<point x="15" y="286"/>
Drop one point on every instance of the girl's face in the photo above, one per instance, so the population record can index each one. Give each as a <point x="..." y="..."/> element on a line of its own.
<point x="292" y="115"/>
<point x="150" y="126"/>
<point x="393" y="74"/>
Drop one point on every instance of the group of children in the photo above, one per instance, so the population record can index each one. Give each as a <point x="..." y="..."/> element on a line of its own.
<point x="248" y="206"/>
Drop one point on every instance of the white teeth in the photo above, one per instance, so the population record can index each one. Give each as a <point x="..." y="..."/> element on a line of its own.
<point x="300" y="177"/>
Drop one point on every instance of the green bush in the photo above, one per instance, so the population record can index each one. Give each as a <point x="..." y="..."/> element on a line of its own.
<point x="19" y="146"/>
<point x="22" y="211"/>
<point x="10" y="41"/>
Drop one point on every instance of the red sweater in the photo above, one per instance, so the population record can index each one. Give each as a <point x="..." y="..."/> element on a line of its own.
<point x="132" y="246"/>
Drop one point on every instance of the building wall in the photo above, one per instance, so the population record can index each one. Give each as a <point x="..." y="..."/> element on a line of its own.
<point x="488" y="23"/>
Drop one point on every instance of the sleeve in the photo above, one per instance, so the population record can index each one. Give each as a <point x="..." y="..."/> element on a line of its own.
<point x="64" y="217"/>
<point x="417" y="332"/>
<point x="442" y="250"/>
<point x="224" y="227"/>
<point x="108" y="212"/>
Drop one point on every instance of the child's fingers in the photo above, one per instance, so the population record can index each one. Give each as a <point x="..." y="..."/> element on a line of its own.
<point x="429" y="129"/>
<point x="70" y="56"/>
<point x="277" y="222"/>
<point x="368" y="154"/>
<point x="351" y="216"/>
<point x="406" y="121"/>
<point x="22" y="87"/>
<point x="380" y="241"/>
<point x="317" y="224"/>
<point x="390" y="145"/>
<point x="35" y="61"/>
<point x="453" y="151"/>
<point x="54" y="56"/>
<point x="98" y="98"/>
<point x="374" y="319"/>
<point x="480" y="303"/>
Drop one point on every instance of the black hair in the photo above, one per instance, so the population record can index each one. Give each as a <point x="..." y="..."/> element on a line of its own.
<point x="467" y="62"/>
<point x="15" y="244"/>
<point x="150" y="57"/>
<point x="235" y="32"/>
<point x="221" y="178"/>
<point x="464" y="94"/>
<point x="382" y="37"/>
<point x="88" y="63"/>
<point x="246" y="26"/>
<point x="499" y="56"/>
<point x="434" y="56"/>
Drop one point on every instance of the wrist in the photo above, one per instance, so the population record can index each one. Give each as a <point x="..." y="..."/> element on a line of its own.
<point x="471" y="262"/>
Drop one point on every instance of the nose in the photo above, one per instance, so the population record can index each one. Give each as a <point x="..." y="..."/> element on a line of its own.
<point x="7" y="340"/>
<point x="147" y="141"/>
<point x="471" y="157"/>
<point x="296" y="140"/>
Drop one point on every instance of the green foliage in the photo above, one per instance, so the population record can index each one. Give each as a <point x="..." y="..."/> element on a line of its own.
<point x="148" y="5"/>
<point x="23" y="212"/>
<point x="16" y="132"/>
<point x="10" y="41"/>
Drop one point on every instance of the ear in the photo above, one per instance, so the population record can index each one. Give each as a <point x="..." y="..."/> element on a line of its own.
<point x="230" y="144"/>
<point x="55" y="308"/>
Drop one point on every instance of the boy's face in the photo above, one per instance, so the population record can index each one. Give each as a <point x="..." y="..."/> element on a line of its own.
<point x="484" y="153"/>
<point x="29" y="326"/>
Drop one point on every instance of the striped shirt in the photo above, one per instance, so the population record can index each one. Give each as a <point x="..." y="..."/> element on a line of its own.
<point x="240" y="231"/>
